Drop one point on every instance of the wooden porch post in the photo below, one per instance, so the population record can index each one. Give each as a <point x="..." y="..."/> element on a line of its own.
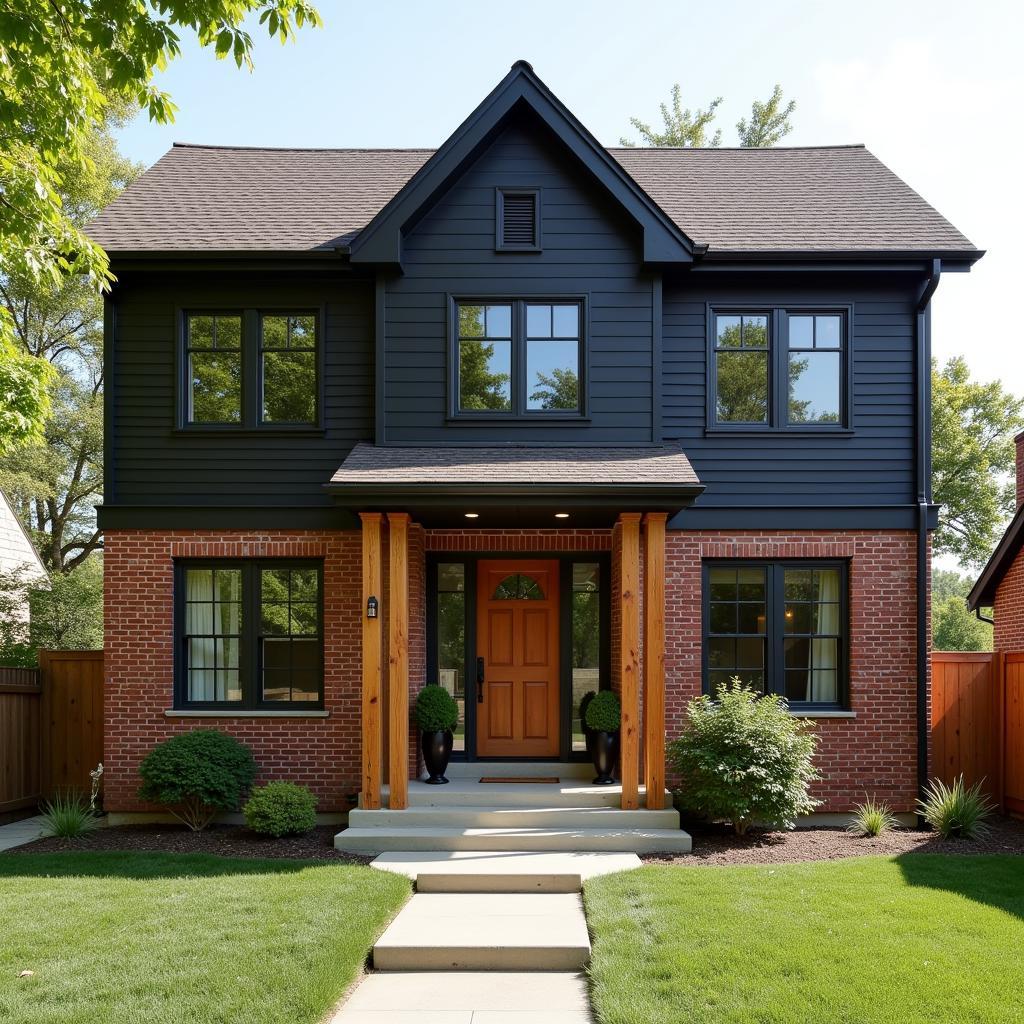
<point x="654" y="659"/>
<point x="398" y="661"/>
<point x="629" y="655"/>
<point x="373" y="653"/>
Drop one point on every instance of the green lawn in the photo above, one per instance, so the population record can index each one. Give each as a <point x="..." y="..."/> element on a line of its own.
<point x="151" y="938"/>
<point x="920" y="938"/>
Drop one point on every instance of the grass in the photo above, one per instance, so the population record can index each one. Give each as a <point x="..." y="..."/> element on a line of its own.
<point x="161" y="938"/>
<point x="919" y="938"/>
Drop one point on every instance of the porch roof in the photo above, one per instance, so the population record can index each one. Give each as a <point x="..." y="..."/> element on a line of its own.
<point x="525" y="483"/>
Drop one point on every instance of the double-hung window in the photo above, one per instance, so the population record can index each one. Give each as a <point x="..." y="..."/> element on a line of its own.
<point x="249" y="634"/>
<point x="780" y="368"/>
<point x="248" y="369"/>
<point x="518" y="357"/>
<point x="779" y="627"/>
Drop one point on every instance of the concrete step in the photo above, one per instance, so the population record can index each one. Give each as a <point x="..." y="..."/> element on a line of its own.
<point x="527" y="769"/>
<point x="486" y="932"/>
<point x="499" y="871"/>
<point x="454" y="997"/>
<point x="631" y="840"/>
<point x="568" y="793"/>
<point x="489" y="816"/>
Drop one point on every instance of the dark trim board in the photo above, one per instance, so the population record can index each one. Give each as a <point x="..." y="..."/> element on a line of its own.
<point x="224" y="517"/>
<point x="566" y="560"/>
<point x="801" y="517"/>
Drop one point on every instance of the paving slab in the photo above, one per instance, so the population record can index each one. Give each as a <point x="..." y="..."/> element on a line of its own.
<point x="18" y="833"/>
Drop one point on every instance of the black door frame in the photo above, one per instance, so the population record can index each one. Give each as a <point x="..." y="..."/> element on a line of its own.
<point x="470" y="559"/>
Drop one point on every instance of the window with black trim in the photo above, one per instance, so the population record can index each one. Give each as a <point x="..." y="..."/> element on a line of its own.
<point x="246" y="369"/>
<point x="249" y="634"/>
<point x="780" y="627"/>
<point x="779" y="368"/>
<point x="517" y="220"/>
<point x="518" y="357"/>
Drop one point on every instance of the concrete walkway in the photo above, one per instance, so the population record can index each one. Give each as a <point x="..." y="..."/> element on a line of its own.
<point x="488" y="938"/>
<point x="20" y="832"/>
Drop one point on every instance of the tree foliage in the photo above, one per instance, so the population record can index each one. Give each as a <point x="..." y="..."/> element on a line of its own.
<point x="954" y="628"/>
<point x="769" y="123"/>
<point x="63" y="66"/>
<point x="973" y="426"/>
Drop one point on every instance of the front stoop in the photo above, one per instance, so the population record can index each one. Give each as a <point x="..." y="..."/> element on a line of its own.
<point x="571" y="814"/>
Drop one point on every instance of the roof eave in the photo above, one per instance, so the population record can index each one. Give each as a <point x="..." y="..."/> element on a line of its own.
<point x="983" y="593"/>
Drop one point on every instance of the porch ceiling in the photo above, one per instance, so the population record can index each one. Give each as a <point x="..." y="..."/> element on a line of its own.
<point x="516" y="485"/>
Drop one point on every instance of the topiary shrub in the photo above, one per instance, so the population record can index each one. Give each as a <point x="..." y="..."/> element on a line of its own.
<point x="604" y="713"/>
<point x="196" y="774"/>
<point x="584" y="704"/>
<point x="436" y="709"/>
<point x="742" y="757"/>
<point x="280" y="809"/>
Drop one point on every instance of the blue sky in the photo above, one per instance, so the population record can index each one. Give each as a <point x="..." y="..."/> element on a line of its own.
<point x="935" y="90"/>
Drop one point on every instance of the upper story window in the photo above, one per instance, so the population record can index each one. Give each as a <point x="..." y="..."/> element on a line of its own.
<point x="779" y="368"/>
<point x="518" y="357"/>
<point x="249" y="368"/>
<point x="517" y="219"/>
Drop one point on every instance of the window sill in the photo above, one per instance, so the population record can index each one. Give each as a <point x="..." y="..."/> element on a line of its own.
<point x="469" y="419"/>
<point x="243" y="713"/>
<point x="747" y="432"/>
<point x="230" y="431"/>
<point x="821" y="713"/>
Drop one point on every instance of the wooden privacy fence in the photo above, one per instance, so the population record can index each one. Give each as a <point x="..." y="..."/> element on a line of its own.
<point x="51" y="726"/>
<point x="977" y="726"/>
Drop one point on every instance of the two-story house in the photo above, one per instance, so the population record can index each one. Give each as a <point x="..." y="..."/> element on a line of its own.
<point x="523" y="417"/>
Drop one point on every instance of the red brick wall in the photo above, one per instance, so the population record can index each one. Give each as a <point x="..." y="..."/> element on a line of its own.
<point x="1019" y="441"/>
<point x="1009" y="608"/>
<point x="875" y="752"/>
<point x="322" y="753"/>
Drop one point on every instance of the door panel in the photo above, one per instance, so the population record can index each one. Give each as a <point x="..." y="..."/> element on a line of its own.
<point x="517" y="636"/>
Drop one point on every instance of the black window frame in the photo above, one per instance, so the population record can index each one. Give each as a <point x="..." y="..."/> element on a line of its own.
<point x="775" y="636"/>
<point x="499" y="219"/>
<point x="249" y="665"/>
<point x="251" y="421"/>
<point x="519" y="385"/>
<point x="778" y="367"/>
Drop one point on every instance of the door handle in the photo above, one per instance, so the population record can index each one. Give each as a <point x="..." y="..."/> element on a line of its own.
<point x="479" y="680"/>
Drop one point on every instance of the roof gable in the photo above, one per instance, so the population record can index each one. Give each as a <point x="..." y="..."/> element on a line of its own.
<point x="380" y="242"/>
<point x="983" y="593"/>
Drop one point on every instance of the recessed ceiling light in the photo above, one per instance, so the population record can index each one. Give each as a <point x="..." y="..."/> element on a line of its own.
<point x="561" y="515"/>
<point x="472" y="515"/>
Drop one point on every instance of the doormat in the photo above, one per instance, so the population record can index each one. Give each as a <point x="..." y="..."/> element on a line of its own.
<point x="547" y="780"/>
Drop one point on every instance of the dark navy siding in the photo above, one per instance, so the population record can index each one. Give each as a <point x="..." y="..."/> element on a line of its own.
<point x="154" y="464"/>
<point x="587" y="249"/>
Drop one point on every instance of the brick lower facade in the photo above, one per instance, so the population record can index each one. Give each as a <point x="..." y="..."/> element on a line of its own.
<point x="873" y="752"/>
<point x="1008" y="632"/>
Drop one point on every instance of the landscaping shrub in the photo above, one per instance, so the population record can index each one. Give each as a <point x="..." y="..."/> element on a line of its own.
<point x="872" y="818"/>
<point x="604" y="714"/>
<point x="956" y="811"/>
<point x="68" y="816"/>
<point x="436" y="709"/>
<point x="196" y="774"/>
<point x="281" y="809"/>
<point x="742" y="758"/>
<point x="584" y="704"/>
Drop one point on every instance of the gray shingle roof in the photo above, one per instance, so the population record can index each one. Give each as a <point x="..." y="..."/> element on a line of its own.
<point x="370" y="466"/>
<point x="829" y="198"/>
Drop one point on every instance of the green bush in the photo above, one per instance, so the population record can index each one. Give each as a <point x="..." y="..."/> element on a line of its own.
<point x="436" y="710"/>
<point x="196" y="774"/>
<point x="744" y="758"/>
<point x="281" y="809"/>
<point x="956" y="811"/>
<point x="584" y="704"/>
<point x="68" y="816"/>
<point x="872" y="818"/>
<point x="604" y="713"/>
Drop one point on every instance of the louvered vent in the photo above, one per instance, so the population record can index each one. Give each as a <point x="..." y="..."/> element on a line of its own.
<point x="519" y="220"/>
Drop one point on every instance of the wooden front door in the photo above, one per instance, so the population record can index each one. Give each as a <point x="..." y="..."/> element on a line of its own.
<point x="517" y="638"/>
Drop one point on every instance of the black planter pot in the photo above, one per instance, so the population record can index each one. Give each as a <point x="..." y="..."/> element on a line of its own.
<point x="604" y="750"/>
<point x="588" y="740"/>
<point x="437" y="752"/>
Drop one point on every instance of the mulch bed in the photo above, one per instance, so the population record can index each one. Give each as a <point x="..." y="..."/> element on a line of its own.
<point x="224" y="840"/>
<point x="716" y="844"/>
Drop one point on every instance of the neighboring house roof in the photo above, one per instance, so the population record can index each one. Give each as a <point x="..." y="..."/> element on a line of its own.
<point x="823" y="199"/>
<point x="16" y="548"/>
<point x="983" y="593"/>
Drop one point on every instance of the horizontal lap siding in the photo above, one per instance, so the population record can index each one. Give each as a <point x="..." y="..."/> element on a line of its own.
<point x="587" y="249"/>
<point x="153" y="465"/>
<point x="875" y="466"/>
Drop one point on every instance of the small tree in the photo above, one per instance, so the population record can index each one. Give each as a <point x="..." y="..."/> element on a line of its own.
<point x="954" y="628"/>
<point x="743" y="758"/>
<point x="196" y="774"/>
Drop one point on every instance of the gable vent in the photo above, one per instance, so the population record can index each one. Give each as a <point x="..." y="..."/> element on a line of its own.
<point x="517" y="228"/>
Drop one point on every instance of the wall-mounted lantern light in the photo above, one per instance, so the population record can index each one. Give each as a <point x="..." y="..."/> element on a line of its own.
<point x="371" y="607"/>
